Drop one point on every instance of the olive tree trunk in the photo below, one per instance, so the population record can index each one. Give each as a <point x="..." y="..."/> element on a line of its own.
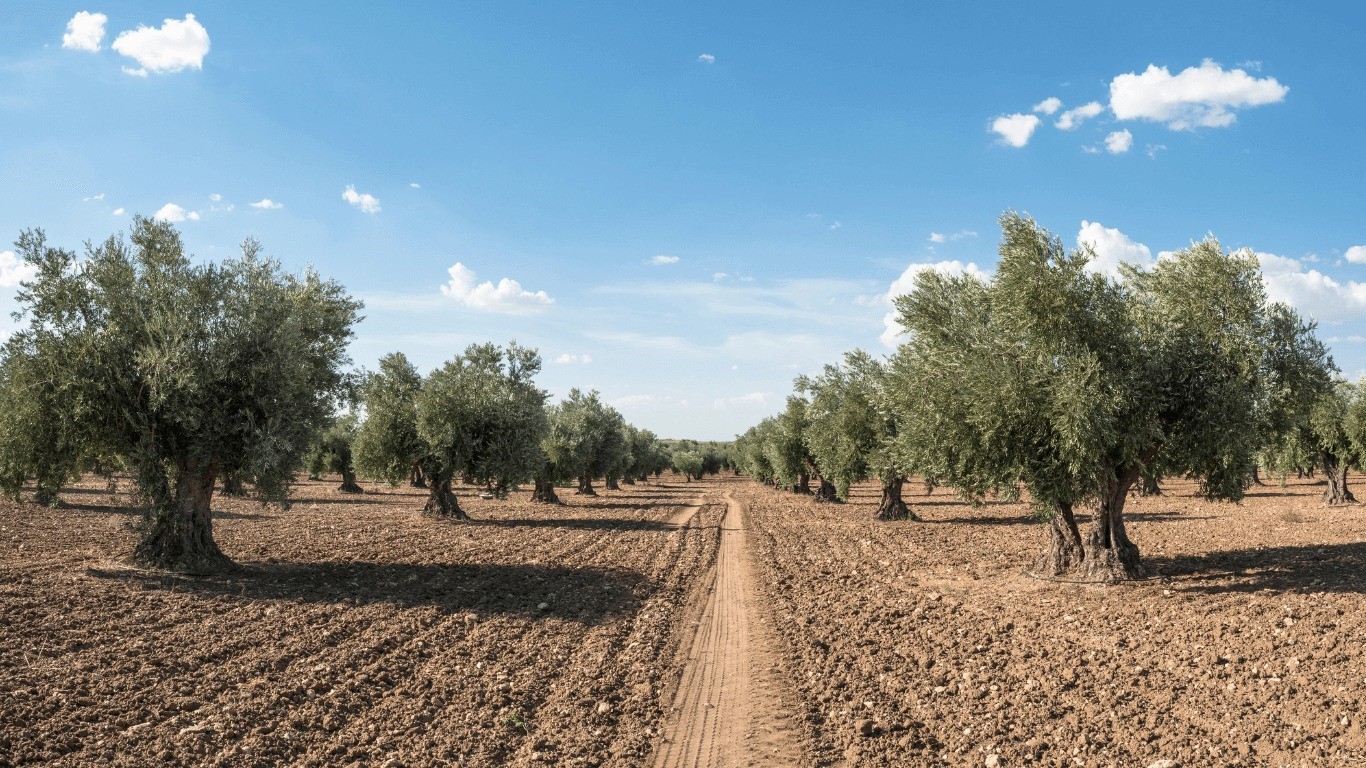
<point x="803" y="484"/>
<point x="178" y="527"/>
<point x="1065" y="552"/>
<point x="545" y="492"/>
<point x="892" y="506"/>
<point x="349" y="484"/>
<point x="1109" y="554"/>
<point x="611" y="483"/>
<point x="441" y="501"/>
<point x="586" y="485"/>
<point x="416" y="477"/>
<point x="1335" y="469"/>
<point x="826" y="491"/>
<point x="232" y="484"/>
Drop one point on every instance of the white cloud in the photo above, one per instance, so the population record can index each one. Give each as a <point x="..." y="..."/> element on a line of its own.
<point x="836" y="225"/>
<point x="751" y="400"/>
<point x="660" y="261"/>
<point x="1204" y="96"/>
<point x="173" y="213"/>
<point x="415" y="185"/>
<point x="1311" y="291"/>
<point x="1119" y="142"/>
<point x="1091" y="150"/>
<point x="1015" y="129"/>
<point x="100" y="196"/>
<point x="172" y="47"/>
<point x="118" y="211"/>
<point x="85" y="31"/>
<point x="507" y="296"/>
<point x="215" y="197"/>
<point x="13" y="270"/>
<point x="1356" y="254"/>
<point x="266" y="204"/>
<point x="1073" y="118"/>
<point x="937" y="237"/>
<point x="719" y="276"/>
<point x="707" y="58"/>
<point x="568" y="359"/>
<point x="366" y="202"/>
<point x="962" y="233"/>
<point x="1112" y="248"/>
<point x="1049" y="105"/>
<point x="892" y="333"/>
<point x="1153" y="149"/>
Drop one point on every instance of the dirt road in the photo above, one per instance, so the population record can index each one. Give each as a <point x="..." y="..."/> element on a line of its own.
<point x="730" y="708"/>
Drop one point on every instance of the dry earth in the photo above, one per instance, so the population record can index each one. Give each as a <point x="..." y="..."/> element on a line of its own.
<point x="361" y="633"/>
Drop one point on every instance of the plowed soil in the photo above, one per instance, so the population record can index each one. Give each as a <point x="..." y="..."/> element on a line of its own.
<point x="923" y="643"/>
<point x="360" y="633"/>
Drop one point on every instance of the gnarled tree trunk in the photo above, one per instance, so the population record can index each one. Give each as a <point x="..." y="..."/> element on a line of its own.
<point x="611" y="483"/>
<point x="178" y="527"/>
<point x="1335" y="469"/>
<point x="232" y="485"/>
<point x="416" y="478"/>
<point x="892" y="506"/>
<point x="826" y="491"/>
<point x="1109" y="554"/>
<point x="1065" y="552"/>
<point x="586" y="486"/>
<point x="1257" y="475"/>
<point x="803" y="484"/>
<point x="441" y="501"/>
<point x="349" y="484"/>
<point x="545" y="492"/>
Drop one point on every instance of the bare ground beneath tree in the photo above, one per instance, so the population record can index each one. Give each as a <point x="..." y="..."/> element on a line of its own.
<point x="359" y="631"/>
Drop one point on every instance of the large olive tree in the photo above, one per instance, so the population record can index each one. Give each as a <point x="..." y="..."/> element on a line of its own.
<point x="183" y="370"/>
<point x="387" y="446"/>
<point x="1069" y="383"/>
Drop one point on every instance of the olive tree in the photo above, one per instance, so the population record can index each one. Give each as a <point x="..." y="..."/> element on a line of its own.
<point x="786" y="450"/>
<point x="586" y="440"/>
<point x="333" y="452"/>
<point x="1338" y="427"/>
<point x="183" y="370"/>
<point x="387" y="445"/>
<point x="852" y="429"/>
<point x="1071" y="384"/>
<point x="481" y="414"/>
<point x="689" y="464"/>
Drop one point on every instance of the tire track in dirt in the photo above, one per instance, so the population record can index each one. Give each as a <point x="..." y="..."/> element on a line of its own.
<point x="729" y="707"/>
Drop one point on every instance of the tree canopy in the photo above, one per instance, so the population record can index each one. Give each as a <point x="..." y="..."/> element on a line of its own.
<point x="180" y="369"/>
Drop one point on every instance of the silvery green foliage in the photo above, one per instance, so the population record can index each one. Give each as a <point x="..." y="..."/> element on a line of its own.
<point x="785" y="444"/>
<point x="1298" y="374"/>
<point x="482" y="414"/>
<point x="387" y="445"/>
<point x="1064" y="380"/>
<point x="851" y="426"/>
<point x="170" y="364"/>
<point x="586" y="437"/>
<point x="689" y="463"/>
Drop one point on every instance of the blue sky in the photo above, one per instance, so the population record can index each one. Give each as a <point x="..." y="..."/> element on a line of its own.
<point x="689" y="205"/>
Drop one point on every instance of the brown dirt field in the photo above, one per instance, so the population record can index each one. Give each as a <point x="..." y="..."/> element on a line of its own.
<point x="361" y="633"/>
<point x="922" y="643"/>
<point x="358" y="633"/>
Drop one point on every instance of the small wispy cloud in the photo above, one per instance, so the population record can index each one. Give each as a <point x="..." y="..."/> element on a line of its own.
<point x="706" y="58"/>
<point x="174" y="213"/>
<point x="1015" y="129"/>
<point x="118" y="211"/>
<point x="100" y="196"/>
<point x="1073" y="118"/>
<point x="750" y="400"/>
<point x="938" y="237"/>
<point x="662" y="261"/>
<point x="568" y="359"/>
<point x="1119" y="142"/>
<point x="1049" y="105"/>
<point x="266" y="204"/>
<point x="415" y="185"/>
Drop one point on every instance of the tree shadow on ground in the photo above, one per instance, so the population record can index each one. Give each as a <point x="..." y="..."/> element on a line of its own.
<point x="587" y="524"/>
<point x="354" y="498"/>
<point x="1323" y="568"/>
<point x="585" y="595"/>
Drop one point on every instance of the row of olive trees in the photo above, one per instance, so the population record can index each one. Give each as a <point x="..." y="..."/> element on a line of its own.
<point x="184" y="373"/>
<point x="1052" y="379"/>
<point x="481" y="418"/>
